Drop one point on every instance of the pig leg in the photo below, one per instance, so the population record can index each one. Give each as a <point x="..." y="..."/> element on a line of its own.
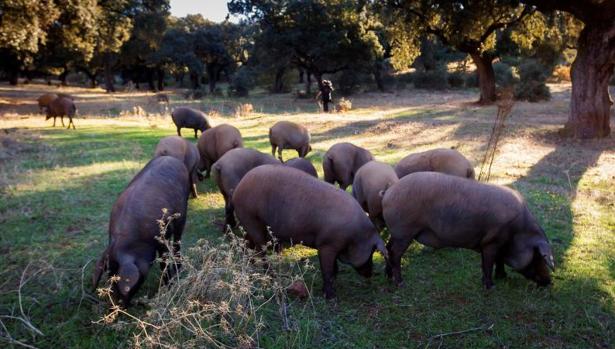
<point x="193" y="180"/>
<point x="256" y="236"/>
<point x="273" y="148"/>
<point x="280" y="148"/>
<point x="396" y="248"/>
<point x="195" y="132"/>
<point x="54" y="121"/>
<point x="500" y="272"/>
<point x="62" y="119"/>
<point x="488" y="254"/>
<point x="327" y="259"/>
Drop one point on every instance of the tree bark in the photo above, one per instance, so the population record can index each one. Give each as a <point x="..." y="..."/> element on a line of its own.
<point x="308" y="82"/>
<point x="486" y="78"/>
<point x="63" y="76"/>
<point x="590" y="102"/>
<point x="160" y="74"/>
<point x="108" y="73"/>
<point x="278" y="83"/>
<point x="211" y="76"/>
<point x="378" y="76"/>
<point x="13" y="77"/>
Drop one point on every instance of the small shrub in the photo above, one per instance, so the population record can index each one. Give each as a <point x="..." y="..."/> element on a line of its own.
<point x="472" y="79"/>
<point x="431" y="80"/>
<point x="504" y="75"/>
<point x="532" y="85"/>
<point x="343" y="105"/>
<point x="241" y="83"/>
<point x="561" y="73"/>
<point x="349" y="82"/>
<point x="456" y="79"/>
<point x="244" y="109"/>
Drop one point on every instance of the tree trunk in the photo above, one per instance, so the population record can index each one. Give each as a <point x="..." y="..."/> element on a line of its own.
<point x="278" y="83"/>
<point x="194" y="78"/>
<point x="108" y="73"/>
<point x="211" y="76"/>
<point x="150" y="79"/>
<point x="63" y="76"/>
<point x="13" y="77"/>
<point x="378" y="76"/>
<point x="308" y="82"/>
<point x="486" y="78"/>
<point x="301" y="73"/>
<point x="590" y="102"/>
<point x="160" y="79"/>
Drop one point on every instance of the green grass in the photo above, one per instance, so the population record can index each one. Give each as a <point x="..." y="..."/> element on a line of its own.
<point x="59" y="189"/>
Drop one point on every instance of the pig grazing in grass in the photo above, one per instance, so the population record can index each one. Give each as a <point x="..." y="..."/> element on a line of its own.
<point x="185" y="152"/>
<point x="299" y="208"/>
<point x="184" y="117"/>
<point x="370" y="183"/>
<point x="302" y="164"/>
<point x="342" y="161"/>
<point x="230" y="169"/>
<point x="161" y="188"/>
<point x="215" y="142"/>
<point x="448" y="161"/>
<point x="440" y="210"/>
<point x="61" y="107"/>
<point x="288" y="135"/>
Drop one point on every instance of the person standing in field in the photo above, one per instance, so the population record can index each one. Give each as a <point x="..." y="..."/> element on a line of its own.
<point x="325" y="90"/>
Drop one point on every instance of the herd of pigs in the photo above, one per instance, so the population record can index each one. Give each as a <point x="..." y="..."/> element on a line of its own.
<point x="431" y="197"/>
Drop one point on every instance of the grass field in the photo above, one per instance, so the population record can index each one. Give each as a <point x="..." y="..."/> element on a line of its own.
<point x="57" y="187"/>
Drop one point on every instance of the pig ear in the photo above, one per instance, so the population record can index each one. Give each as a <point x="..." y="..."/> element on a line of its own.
<point x="129" y="277"/>
<point x="544" y="249"/>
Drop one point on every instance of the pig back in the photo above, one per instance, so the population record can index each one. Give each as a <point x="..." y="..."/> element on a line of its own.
<point x="161" y="184"/>
<point x="457" y="211"/>
<point x="299" y="207"/>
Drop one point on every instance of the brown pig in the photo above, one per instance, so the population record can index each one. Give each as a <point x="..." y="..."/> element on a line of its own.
<point x="158" y="192"/>
<point x="370" y="183"/>
<point x="183" y="151"/>
<point x="230" y="169"/>
<point x="61" y="107"/>
<point x="443" y="160"/>
<point x="440" y="210"/>
<point x="342" y="161"/>
<point x="299" y="208"/>
<point x="288" y="135"/>
<point x="215" y="142"/>
<point x="184" y="117"/>
<point x="302" y="164"/>
<point x="44" y="100"/>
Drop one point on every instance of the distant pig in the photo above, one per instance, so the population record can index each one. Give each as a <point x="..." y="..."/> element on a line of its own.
<point x="302" y="164"/>
<point x="215" y="142"/>
<point x="301" y="209"/>
<point x="440" y="210"/>
<point x="342" y="161"/>
<point x="160" y="189"/>
<point x="288" y="135"/>
<point x="448" y="161"/>
<point x="184" y="151"/>
<point x="61" y="107"/>
<point x="230" y="169"/>
<point x="44" y="100"/>
<point x="184" y="117"/>
<point x="370" y="184"/>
